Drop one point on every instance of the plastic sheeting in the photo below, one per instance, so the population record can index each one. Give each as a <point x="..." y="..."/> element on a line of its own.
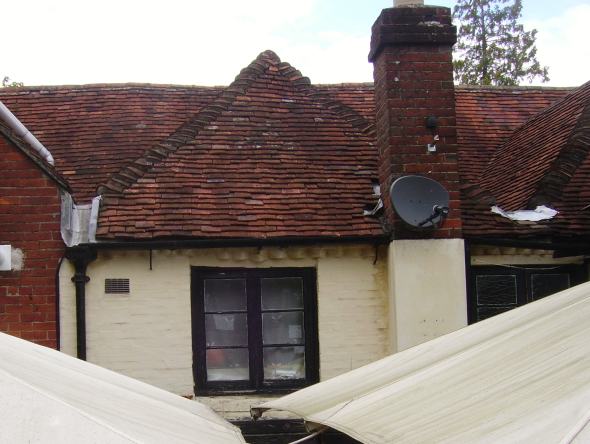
<point x="538" y="214"/>
<point x="49" y="397"/>
<point x="522" y="376"/>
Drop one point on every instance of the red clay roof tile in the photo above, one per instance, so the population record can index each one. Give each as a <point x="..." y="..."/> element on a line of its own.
<point x="487" y="116"/>
<point x="269" y="156"/>
<point x="519" y="167"/>
<point x="545" y="161"/>
<point x="93" y="130"/>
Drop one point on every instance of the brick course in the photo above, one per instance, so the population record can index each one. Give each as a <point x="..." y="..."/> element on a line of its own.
<point x="29" y="220"/>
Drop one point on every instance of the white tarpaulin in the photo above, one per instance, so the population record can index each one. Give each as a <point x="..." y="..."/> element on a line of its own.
<point x="522" y="376"/>
<point x="49" y="397"/>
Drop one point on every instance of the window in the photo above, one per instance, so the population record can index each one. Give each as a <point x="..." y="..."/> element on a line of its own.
<point x="254" y="329"/>
<point x="496" y="289"/>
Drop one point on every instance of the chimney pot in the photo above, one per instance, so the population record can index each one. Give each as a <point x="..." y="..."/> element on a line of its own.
<point x="399" y="3"/>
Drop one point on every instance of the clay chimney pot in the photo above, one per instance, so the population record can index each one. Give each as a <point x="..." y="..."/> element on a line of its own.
<point x="398" y="3"/>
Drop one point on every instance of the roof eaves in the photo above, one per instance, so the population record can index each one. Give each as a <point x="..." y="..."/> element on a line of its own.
<point x="186" y="242"/>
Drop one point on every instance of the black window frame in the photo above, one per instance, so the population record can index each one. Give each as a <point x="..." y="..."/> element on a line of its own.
<point x="256" y="383"/>
<point x="578" y="273"/>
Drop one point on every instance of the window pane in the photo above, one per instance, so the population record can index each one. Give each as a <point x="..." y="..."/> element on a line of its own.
<point x="497" y="289"/>
<point x="281" y="293"/>
<point x="546" y="284"/>
<point x="282" y="327"/>
<point x="284" y="363"/>
<point x="225" y="295"/>
<point x="226" y="329"/>
<point x="227" y="364"/>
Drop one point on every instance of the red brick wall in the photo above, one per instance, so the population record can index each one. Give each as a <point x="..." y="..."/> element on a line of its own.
<point x="413" y="75"/>
<point x="30" y="221"/>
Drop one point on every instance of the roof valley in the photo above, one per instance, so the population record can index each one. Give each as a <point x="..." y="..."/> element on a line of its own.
<point x="570" y="158"/>
<point x="544" y="157"/>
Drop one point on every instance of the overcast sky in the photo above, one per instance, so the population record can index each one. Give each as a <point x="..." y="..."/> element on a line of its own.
<point x="201" y="42"/>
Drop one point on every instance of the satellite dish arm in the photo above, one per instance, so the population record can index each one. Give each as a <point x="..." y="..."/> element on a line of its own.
<point x="437" y="211"/>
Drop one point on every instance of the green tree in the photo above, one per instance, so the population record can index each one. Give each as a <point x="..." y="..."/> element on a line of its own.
<point x="493" y="48"/>
<point x="6" y="82"/>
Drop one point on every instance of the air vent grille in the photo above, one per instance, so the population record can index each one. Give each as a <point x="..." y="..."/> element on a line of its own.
<point x="116" y="286"/>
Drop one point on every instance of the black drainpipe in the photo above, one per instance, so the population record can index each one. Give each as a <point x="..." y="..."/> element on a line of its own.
<point x="80" y="257"/>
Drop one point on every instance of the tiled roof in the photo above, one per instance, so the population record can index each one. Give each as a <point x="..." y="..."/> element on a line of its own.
<point x="93" y="130"/>
<point x="572" y="196"/>
<point x="518" y="172"/>
<point x="358" y="96"/>
<point x="544" y="162"/>
<point x="270" y="157"/>
<point x="487" y="116"/>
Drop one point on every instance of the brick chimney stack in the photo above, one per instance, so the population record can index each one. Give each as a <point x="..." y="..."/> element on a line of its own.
<point x="411" y="49"/>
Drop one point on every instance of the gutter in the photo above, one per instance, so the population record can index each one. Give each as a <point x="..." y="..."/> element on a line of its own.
<point x="176" y="244"/>
<point x="549" y="244"/>
<point x="22" y="131"/>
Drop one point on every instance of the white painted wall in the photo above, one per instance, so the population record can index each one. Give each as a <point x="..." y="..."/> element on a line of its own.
<point x="67" y="309"/>
<point x="147" y="334"/>
<point x="368" y="305"/>
<point x="427" y="287"/>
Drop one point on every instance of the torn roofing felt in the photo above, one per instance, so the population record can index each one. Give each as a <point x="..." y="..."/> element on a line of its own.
<point x="270" y="157"/>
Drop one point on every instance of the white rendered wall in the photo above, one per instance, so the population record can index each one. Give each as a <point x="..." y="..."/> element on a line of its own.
<point x="427" y="287"/>
<point x="147" y="334"/>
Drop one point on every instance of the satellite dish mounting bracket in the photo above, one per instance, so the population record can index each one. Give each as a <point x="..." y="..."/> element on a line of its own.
<point x="437" y="212"/>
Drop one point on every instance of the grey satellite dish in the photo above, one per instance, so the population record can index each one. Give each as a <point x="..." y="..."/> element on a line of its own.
<point x="419" y="201"/>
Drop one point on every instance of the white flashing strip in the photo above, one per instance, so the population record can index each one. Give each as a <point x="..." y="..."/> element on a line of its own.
<point x="78" y="222"/>
<point x="93" y="222"/>
<point x="538" y="214"/>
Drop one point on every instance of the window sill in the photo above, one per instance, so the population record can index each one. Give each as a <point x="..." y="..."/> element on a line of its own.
<point x="248" y="392"/>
